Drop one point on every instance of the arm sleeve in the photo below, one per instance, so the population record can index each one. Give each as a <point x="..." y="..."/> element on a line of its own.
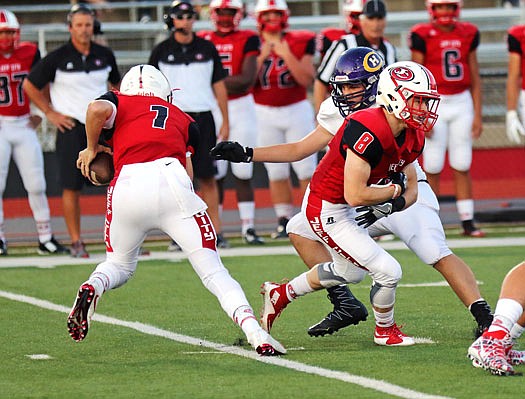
<point x="193" y="137"/>
<point x="111" y="97"/>
<point x="417" y="43"/>
<point x="253" y="45"/>
<point x="513" y="45"/>
<point x="475" y="42"/>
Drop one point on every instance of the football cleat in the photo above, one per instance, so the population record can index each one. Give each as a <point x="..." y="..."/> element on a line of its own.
<point x="274" y="302"/>
<point x="3" y="248"/>
<point x="348" y="310"/>
<point x="392" y="336"/>
<point x="493" y="353"/>
<point x="265" y="344"/>
<point x="280" y="232"/>
<point x="477" y="233"/>
<point x="516" y="357"/>
<point x="251" y="237"/>
<point x="82" y="312"/>
<point x="78" y="250"/>
<point x="52" y="247"/>
<point x="222" y="242"/>
<point x="513" y="357"/>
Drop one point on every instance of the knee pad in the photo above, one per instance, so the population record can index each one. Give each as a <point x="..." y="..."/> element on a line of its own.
<point x="277" y="171"/>
<point x="381" y="296"/>
<point x="328" y="276"/>
<point x="305" y="168"/>
<point x="222" y="169"/>
<point x="242" y="171"/>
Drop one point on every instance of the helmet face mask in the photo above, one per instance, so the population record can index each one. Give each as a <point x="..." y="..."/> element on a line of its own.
<point x="444" y="16"/>
<point x="355" y="78"/>
<point x="146" y="80"/>
<point x="352" y="9"/>
<point x="272" y="15"/>
<point x="409" y="92"/>
<point x="226" y="15"/>
<point x="9" y="23"/>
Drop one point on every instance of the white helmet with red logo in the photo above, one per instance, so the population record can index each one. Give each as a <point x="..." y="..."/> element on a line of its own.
<point x="448" y="18"/>
<point x="408" y="90"/>
<point x="352" y="9"/>
<point x="8" y="22"/>
<point x="275" y="24"/>
<point x="226" y="23"/>
<point x="146" y="80"/>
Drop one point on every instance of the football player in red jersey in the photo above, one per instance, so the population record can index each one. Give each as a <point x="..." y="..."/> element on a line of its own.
<point x="152" y="189"/>
<point x="18" y="136"/>
<point x="238" y="50"/>
<point x="284" y="114"/>
<point x="365" y="167"/>
<point x="515" y="83"/>
<point x="447" y="47"/>
<point x="352" y="9"/>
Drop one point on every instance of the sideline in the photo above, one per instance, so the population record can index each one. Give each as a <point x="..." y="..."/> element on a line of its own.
<point x="52" y="261"/>
<point x="377" y="385"/>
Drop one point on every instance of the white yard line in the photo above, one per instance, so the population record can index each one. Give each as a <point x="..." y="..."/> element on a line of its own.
<point x="377" y="385"/>
<point x="52" y="261"/>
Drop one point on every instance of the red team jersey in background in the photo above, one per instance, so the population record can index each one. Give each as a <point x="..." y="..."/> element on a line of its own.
<point x="368" y="134"/>
<point x="146" y="129"/>
<point x="13" y="70"/>
<point x="516" y="44"/>
<point x="275" y="85"/>
<point x="326" y="37"/>
<point x="446" y="53"/>
<point x="233" y="48"/>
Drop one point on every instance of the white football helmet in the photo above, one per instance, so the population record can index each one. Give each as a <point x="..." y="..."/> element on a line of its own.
<point x="275" y="24"/>
<point x="8" y="22"/>
<point x="146" y="80"/>
<point x="352" y="9"/>
<point x="408" y="90"/>
<point x="225" y="23"/>
<point x="447" y="18"/>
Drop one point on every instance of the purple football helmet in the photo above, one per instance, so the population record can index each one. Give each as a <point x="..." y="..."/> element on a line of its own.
<point x="357" y="67"/>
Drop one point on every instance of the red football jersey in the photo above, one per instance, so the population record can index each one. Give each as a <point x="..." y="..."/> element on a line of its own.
<point x="13" y="70"/>
<point x="275" y="85"/>
<point x="146" y="129"/>
<point x="446" y="53"/>
<point x="326" y="37"/>
<point x="233" y="48"/>
<point x="368" y="134"/>
<point x="516" y="44"/>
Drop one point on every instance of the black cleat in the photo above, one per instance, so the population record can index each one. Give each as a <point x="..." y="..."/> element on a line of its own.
<point x="483" y="315"/>
<point x="280" y="232"/>
<point x="80" y="316"/>
<point x="252" y="238"/>
<point x="348" y="310"/>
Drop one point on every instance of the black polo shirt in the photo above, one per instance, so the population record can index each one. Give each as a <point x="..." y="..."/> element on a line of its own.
<point x="75" y="79"/>
<point x="191" y="69"/>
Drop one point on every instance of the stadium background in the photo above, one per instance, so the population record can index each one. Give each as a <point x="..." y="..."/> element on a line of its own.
<point x="498" y="166"/>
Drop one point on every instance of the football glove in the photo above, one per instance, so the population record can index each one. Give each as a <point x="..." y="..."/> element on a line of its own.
<point x="514" y="127"/>
<point x="372" y="213"/>
<point x="231" y="151"/>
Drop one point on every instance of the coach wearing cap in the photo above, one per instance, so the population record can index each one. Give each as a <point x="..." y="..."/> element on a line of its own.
<point x="373" y="24"/>
<point x="194" y="69"/>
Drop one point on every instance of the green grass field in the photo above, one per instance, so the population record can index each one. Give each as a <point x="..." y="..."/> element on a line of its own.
<point x="116" y="361"/>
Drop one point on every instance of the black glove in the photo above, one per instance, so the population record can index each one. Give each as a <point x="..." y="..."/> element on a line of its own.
<point x="399" y="178"/>
<point x="371" y="213"/>
<point x="231" y="151"/>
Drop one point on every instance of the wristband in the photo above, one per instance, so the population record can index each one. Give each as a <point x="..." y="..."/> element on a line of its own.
<point x="249" y="154"/>
<point x="398" y="204"/>
<point x="397" y="191"/>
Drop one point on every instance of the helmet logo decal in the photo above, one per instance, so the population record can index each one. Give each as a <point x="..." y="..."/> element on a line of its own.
<point x="402" y="73"/>
<point x="3" y="17"/>
<point x="372" y="62"/>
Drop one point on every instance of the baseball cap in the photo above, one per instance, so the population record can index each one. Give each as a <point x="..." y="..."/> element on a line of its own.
<point x="181" y="7"/>
<point x="374" y="8"/>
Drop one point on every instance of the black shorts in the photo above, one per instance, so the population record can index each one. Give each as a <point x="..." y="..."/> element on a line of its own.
<point x="68" y="145"/>
<point x="204" y="166"/>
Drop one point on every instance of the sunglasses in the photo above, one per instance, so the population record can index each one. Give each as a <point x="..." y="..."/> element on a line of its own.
<point x="180" y="17"/>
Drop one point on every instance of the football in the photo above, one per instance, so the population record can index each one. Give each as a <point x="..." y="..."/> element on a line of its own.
<point x="101" y="169"/>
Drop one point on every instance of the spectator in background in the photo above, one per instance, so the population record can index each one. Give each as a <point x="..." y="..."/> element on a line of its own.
<point x="238" y="50"/>
<point x="194" y="70"/>
<point x="515" y="83"/>
<point x="373" y="23"/>
<point x="283" y="112"/>
<point x="352" y="9"/>
<point x="448" y="47"/>
<point x="77" y="73"/>
<point x="18" y="136"/>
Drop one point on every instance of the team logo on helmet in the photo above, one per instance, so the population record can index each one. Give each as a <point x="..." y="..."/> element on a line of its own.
<point x="372" y="62"/>
<point x="402" y="73"/>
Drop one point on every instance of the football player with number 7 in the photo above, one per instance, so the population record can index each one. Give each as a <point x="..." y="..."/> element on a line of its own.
<point x="152" y="189"/>
<point x="419" y="226"/>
